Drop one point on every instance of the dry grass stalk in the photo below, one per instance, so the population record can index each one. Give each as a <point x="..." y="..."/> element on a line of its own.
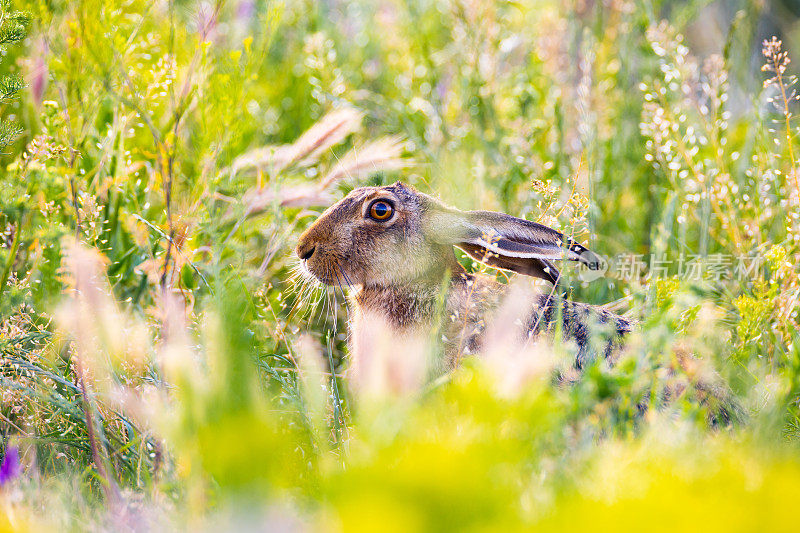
<point x="85" y="318"/>
<point x="380" y="155"/>
<point x="515" y="361"/>
<point x="393" y="364"/>
<point x="259" y="199"/>
<point x="329" y="131"/>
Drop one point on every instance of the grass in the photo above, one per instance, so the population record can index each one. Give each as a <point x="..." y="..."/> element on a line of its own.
<point x="163" y="367"/>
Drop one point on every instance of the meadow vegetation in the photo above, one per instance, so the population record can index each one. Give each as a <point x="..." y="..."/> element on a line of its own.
<point x="164" y="366"/>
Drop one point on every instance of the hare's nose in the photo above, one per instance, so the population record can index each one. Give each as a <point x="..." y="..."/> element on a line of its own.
<point x="305" y="250"/>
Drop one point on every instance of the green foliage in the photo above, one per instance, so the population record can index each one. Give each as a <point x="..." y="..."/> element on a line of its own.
<point x="172" y="370"/>
<point x="13" y="28"/>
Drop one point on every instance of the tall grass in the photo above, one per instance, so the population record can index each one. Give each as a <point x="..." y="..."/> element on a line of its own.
<point x="163" y="368"/>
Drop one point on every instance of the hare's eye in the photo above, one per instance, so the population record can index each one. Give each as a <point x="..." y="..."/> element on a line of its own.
<point x="381" y="210"/>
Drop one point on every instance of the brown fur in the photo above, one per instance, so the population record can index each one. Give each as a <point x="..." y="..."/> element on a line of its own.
<point x="404" y="269"/>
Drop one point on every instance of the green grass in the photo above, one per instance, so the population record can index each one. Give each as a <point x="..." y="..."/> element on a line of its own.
<point x="170" y="369"/>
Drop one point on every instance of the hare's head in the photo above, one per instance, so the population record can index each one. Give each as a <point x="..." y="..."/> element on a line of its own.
<point x="395" y="235"/>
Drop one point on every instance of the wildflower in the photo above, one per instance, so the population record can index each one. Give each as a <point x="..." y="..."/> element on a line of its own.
<point x="11" y="466"/>
<point x="777" y="59"/>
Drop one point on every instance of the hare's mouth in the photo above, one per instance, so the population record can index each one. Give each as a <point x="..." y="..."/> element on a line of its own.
<point x="311" y="274"/>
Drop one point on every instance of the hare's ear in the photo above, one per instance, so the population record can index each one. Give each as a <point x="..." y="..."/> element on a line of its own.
<point x="511" y="243"/>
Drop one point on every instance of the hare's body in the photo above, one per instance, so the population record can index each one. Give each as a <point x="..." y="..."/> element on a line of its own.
<point x="394" y="246"/>
<point x="459" y="314"/>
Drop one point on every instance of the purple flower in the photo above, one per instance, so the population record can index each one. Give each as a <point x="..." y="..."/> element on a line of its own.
<point x="39" y="73"/>
<point x="246" y="10"/>
<point x="11" y="466"/>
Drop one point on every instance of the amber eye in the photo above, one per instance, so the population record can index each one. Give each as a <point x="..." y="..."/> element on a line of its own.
<point x="381" y="210"/>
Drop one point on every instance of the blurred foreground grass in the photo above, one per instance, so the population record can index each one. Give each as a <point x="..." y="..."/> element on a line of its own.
<point x="161" y="368"/>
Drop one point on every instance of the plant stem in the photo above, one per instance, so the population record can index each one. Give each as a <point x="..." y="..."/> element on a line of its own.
<point x="787" y="124"/>
<point x="12" y="254"/>
<point x="109" y="486"/>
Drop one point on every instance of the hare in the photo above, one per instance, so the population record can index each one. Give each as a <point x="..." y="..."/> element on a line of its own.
<point x="394" y="246"/>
